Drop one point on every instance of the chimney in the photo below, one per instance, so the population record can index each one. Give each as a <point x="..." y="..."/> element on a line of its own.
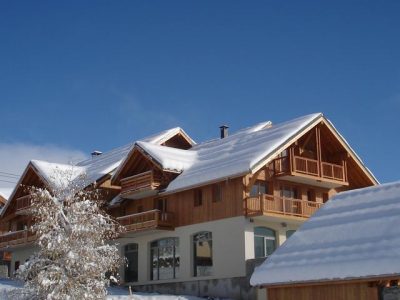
<point x="224" y="131"/>
<point x="96" y="153"/>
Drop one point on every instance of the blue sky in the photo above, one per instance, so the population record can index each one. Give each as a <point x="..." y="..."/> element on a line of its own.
<point x="82" y="75"/>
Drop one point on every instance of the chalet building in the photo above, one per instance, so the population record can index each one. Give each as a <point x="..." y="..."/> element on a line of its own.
<point x="198" y="216"/>
<point x="348" y="250"/>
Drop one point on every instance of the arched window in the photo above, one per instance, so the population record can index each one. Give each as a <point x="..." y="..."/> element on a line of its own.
<point x="131" y="268"/>
<point x="264" y="241"/>
<point x="164" y="259"/>
<point x="202" y="254"/>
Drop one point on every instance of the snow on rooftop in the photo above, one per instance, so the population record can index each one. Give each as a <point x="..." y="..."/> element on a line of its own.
<point x="354" y="235"/>
<point x="108" y="162"/>
<point x="6" y="192"/>
<point x="98" y="166"/>
<point x="58" y="175"/>
<point x="237" y="153"/>
<point x="163" y="136"/>
<point x="169" y="158"/>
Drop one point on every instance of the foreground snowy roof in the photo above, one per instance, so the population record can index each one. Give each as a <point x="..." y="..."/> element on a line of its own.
<point x="354" y="235"/>
<point x="238" y="153"/>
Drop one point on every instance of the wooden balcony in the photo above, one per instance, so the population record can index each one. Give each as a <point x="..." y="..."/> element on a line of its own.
<point x="265" y="204"/>
<point x="137" y="186"/>
<point x="23" y="204"/>
<point x="153" y="219"/>
<point x="292" y="165"/>
<point x="16" y="238"/>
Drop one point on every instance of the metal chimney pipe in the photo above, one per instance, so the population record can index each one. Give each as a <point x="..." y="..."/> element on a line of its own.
<point x="224" y="131"/>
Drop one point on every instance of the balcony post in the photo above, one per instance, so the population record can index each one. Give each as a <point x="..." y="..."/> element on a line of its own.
<point x="319" y="156"/>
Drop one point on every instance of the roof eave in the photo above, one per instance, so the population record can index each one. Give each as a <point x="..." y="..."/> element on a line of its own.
<point x="291" y="284"/>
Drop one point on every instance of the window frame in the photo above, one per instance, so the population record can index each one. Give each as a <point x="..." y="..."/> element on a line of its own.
<point x="265" y="238"/>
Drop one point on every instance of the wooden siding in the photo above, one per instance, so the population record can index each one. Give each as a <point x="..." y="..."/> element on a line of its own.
<point x="344" y="291"/>
<point x="184" y="210"/>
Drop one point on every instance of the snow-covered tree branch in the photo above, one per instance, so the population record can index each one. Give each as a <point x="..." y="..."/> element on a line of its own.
<point x="72" y="233"/>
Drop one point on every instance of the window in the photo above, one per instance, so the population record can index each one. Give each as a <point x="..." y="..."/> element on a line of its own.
<point x="202" y="254"/>
<point x="161" y="204"/>
<point x="311" y="195"/>
<point x="289" y="233"/>
<point x="217" y="192"/>
<point x="131" y="268"/>
<point x="165" y="259"/>
<point x="259" y="188"/>
<point x="325" y="197"/>
<point x="289" y="192"/>
<point x="21" y="226"/>
<point x="198" y="197"/>
<point x="16" y="266"/>
<point x="264" y="241"/>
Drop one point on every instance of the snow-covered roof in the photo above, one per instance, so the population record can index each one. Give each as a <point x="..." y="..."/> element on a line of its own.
<point x="98" y="166"/>
<point x="5" y="192"/>
<point x="238" y="153"/>
<point x="163" y="136"/>
<point x="355" y="235"/>
<point x="171" y="159"/>
<point x="58" y="175"/>
<point x="95" y="168"/>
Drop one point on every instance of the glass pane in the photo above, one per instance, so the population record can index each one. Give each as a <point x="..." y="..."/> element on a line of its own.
<point x="254" y="191"/>
<point x="264" y="231"/>
<point x="269" y="246"/>
<point x="166" y="263"/>
<point x="177" y="262"/>
<point x="203" y="255"/>
<point x="154" y="264"/>
<point x="259" y="249"/>
<point x="131" y="270"/>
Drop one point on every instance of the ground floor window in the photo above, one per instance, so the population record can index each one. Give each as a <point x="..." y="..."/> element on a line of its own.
<point x="131" y="268"/>
<point x="202" y="254"/>
<point x="264" y="241"/>
<point x="165" y="259"/>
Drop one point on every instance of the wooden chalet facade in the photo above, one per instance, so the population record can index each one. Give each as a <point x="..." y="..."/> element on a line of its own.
<point x="183" y="204"/>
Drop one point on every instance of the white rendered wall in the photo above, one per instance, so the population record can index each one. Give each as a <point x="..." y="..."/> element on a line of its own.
<point x="21" y="255"/>
<point x="228" y="238"/>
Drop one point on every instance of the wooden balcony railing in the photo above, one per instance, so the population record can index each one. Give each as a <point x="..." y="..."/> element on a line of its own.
<point x="280" y="205"/>
<point x="333" y="171"/>
<point x="23" y="203"/>
<point x="287" y="165"/>
<point x="16" y="238"/>
<point x="140" y="182"/>
<point x="153" y="219"/>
